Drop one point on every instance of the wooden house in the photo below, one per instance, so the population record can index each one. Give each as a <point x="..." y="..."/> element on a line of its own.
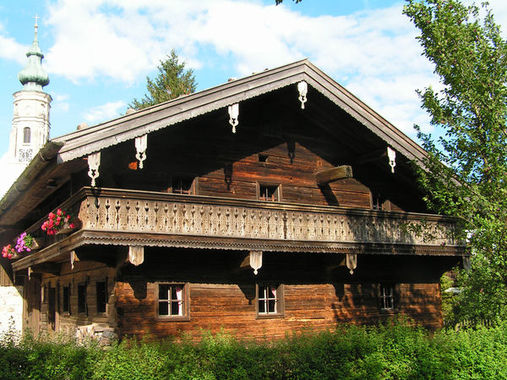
<point x="267" y="205"/>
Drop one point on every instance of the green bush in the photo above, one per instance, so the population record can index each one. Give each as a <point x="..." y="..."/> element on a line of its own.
<point x="394" y="351"/>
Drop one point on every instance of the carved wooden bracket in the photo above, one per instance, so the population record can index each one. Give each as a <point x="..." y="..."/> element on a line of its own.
<point x="391" y="154"/>
<point x="136" y="254"/>
<point x="141" y="145"/>
<point x="93" y="166"/>
<point x="233" y="116"/>
<point x="254" y="260"/>
<point x="333" y="174"/>
<point x="303" y="90"/>
<point x="73" y="259"/>
<point x="351" y="261"/>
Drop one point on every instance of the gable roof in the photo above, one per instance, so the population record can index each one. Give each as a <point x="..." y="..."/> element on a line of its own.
<point x="93" y="139"/>
<point x="30" y="188"/>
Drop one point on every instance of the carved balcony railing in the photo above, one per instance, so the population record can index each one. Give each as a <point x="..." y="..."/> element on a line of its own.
<point x="142" y="218"/>
<point x="171" y="214"/>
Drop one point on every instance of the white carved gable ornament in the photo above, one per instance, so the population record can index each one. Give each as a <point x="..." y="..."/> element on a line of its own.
<point x="391" y="154"/>
<point x="93" y="166"/>
<point x="303" y="90"/>
<point x="141" y="145"/>
<point x="233" y="110"/>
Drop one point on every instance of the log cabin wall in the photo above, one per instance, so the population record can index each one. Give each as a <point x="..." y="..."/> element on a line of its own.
<point x="216" y="307"/>
<point x="270" y="148"/>
<point x="295" y="178"/>
<point x="60" y="315"/>
<point x="316" y="292"/>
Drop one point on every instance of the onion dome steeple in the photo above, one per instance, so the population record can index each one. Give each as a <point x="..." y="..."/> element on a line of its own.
<point x="33" y="76"/>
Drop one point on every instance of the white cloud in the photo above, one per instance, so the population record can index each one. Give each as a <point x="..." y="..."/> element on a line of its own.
<point x="61" y="102"/>
<point x="104" y="112"/>
<point x="10" y="49"/>
<point x="125" y="39"/>
<point x="373" y="52"/>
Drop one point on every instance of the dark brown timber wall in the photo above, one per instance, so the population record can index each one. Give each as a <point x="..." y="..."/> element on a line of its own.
<point x="316" y="292"/>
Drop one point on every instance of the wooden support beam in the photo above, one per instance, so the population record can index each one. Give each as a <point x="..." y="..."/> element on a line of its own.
<point x="333" y="174"/>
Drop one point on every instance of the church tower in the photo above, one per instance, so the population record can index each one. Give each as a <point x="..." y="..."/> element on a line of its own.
<point x="30" y="122"/>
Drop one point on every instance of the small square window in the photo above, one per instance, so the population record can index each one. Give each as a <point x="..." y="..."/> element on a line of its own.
<point x="263" y="157"/>
<point x="81" y="299"/>
<point x="66" y="299"/>
<point x="172" y="300"/>
<point x="269" y="193"/>
<point x="269" y="300"/>
<point x="101" y="290"/>
<point x="386" y="297"/>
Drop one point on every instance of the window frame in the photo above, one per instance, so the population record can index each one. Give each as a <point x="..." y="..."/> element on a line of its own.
<point x="185" y="301"/>
<point x="27" y="136"/>
<point x="385" y="299"/>
<point x="192" y="190"/>
<point x="278" y="191"/>
<point x="279" y="301"/>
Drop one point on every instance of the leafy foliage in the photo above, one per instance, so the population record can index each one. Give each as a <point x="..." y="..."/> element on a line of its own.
<point x="394" y="351"/>
<point x="172" y="81"/>
<point x="466" y="171"/>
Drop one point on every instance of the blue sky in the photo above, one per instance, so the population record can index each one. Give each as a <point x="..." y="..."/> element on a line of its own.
<point x="99" y="52"/>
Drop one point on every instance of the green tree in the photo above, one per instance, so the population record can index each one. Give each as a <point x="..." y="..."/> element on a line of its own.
<point x="465" y="174"/>
<point x="172" y="81"/>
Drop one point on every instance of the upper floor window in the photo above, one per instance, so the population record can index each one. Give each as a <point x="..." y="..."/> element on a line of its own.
<point x="263" y="157"/>
<point x="269" y="300"/>
<point x="270" y="193"/>
<point x="172" y="300"/>
<point x="26" y="135"/>
<point x="183" y="185"/>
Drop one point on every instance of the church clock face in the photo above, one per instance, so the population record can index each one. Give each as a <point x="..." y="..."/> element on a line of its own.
<point x="25" y="155"/>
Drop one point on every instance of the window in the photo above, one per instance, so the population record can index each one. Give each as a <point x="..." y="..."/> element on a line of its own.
<point x="263" y="158"/>
<point x="386" y="297"/>
<point x="26" y="135"/>
<point x="66" y="300"/>
<point x="182" y="185"/>
<point x="172" y="301"/>
<point x="81" y="299"/>
<point x="269" y="193"/>
<point x="269" y="300"/>
<point x="101" y="289"/>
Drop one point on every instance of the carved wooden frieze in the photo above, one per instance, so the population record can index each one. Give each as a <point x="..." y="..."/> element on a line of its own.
<point x="205" y="218"/>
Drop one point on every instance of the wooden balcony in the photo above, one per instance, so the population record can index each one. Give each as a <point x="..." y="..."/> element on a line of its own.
<point x="129" y="217"/>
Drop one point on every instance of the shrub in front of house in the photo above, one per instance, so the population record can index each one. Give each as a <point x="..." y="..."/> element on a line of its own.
<point x="397" y="351"/>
